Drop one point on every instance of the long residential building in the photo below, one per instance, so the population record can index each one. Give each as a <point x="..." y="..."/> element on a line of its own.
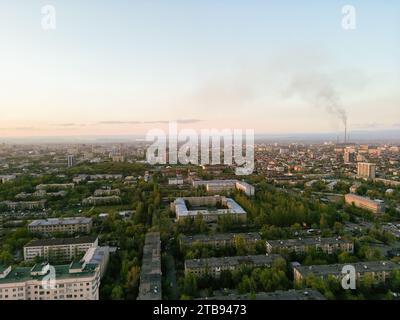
<point x="305" y="294"/>
<point x="216" y="186"/>
<point x="230" y="208"/>
<point x="150" y="275"/>
<point x="106" y="192"/>
<point x="62" y="225"/>
<point x="379" y="270"/>
<point x="302" y="245"/>
<point x="214" y="266"/>
<point x="58" y="186"/>
<point x="24" y="205"/>
<point x="101" y="200"/>
<point x="74" y="281"/>
<point x="59" y="249"/>
<point x="219" y="239"/>
<point x="375" y="206"/>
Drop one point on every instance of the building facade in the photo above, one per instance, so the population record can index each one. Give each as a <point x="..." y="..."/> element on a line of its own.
<point x="59" y="249"/>
<point x="302" y="245"/>
<point x="62" y="225"/>
<point x="76" y="281"/>
<point x="375" y="206"/>
<point x="214" y="266"/>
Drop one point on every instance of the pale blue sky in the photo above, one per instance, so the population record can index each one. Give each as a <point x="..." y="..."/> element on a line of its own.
<point x="228" y="63"/>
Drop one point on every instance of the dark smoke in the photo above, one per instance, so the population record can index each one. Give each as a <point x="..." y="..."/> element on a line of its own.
<point x="319" y="91"/>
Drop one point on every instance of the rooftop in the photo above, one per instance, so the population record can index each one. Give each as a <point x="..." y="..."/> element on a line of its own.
<point x="60" y="241"/>
<point x="60" y="221"/>
<point x="255" y="260"/>
<point x="336" y="269"/>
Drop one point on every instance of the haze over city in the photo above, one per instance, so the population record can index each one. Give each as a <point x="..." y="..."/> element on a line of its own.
<point x="123" y="68"/>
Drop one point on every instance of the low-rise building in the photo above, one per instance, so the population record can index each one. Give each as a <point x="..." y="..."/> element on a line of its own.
<point x="24" y="205"/>
<point x="55" y="186"/>
<point x="59" y="249"/>
<point x="214" y="266"/>
<point x="150" y="275"/>
<point x="379" y="270"/>
<point x="375" y="206"/>
<point x="219" y="239"/>
<point x="301" y="245"/>
<point x="217" y="186"/>
<point x="202" y="203"/>
<point x="106" y="192"/>
<point x="62" y="225"/>
<point x="305" y="294"/>
<point x="95" y="201"/>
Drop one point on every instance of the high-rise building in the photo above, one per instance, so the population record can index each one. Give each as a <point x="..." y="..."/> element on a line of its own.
<point x="71" y="160"/>
<point x="366" y="170"/>
<point x="349" y="156"/>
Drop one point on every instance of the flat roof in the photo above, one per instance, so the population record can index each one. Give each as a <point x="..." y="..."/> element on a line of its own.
<point x="60" y="241"/>
<point x="305" y="294"/>
<point x="336" y="269"/>
<point x="22" y="274"/>
<point x="307" y="241"/>
<point x="220" y="236"/>
<point x="60" y="221"/>
<point x="256" y="260"/>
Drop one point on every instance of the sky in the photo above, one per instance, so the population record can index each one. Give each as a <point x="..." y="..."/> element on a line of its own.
<point x="125" y="67"/>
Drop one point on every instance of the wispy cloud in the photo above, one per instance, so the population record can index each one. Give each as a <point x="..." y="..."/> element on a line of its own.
<point x="368" y="125"/>
<point x="118" y="122"/>
<point x="182" y="121"/>
<point x="20" y="129"/>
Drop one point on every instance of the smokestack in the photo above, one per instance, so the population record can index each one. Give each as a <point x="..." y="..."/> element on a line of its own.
<point x="345" y="133"/>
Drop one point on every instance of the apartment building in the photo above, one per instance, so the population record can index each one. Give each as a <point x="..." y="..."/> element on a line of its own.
<point x="59" y="249"/>
<point x="74" y="281"/>
<point x="380" y="270"/>
<point x="201" y="207"/>
<point x="366" y="170"/>
<point x="305" y="294"/>
<point x="217" y="186"/>
<point x="214" y="266"/>
<point x="62" y="225"/>
<point x="55" y="186"/>
<point x="219" y="239"/>
<point x="24" y="205"/>
<point x="101" y="200"/>
<point x="302" y="245"/>
<point x="375" y="206"/>
<point x="150" y="275"/>
<point x="106" y="192"/>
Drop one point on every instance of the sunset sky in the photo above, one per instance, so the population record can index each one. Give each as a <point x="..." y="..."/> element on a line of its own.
<point x="124" y="67"/>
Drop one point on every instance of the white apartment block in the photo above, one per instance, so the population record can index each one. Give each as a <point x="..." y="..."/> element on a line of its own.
<point x="59" y="249"/>
<point x="76" y="281"/>
<point x="217" y="186"/>
<point x="63" y="225"/>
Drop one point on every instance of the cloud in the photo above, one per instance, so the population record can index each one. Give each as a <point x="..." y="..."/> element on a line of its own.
<point x="370" y="125"/>
<point x="183" y="121"/>
<point x="20" y="129"/>
<point x="118" y="122"/>
<point x="65" y="124"/>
